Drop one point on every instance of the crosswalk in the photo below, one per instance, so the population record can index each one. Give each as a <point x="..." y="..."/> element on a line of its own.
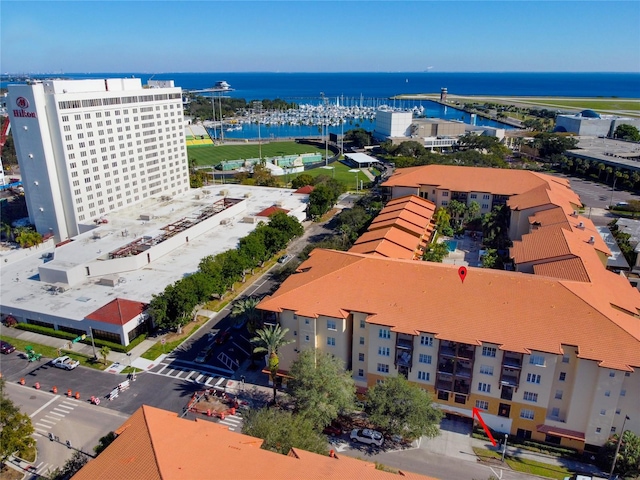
<point x="186" y="373"/>
<point x="234" y="422"/>
<point x="52" y="416"/>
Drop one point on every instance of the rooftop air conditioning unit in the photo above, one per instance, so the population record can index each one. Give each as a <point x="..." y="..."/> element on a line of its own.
<point x="592" y="240"/>
<point x="581" y="225"/>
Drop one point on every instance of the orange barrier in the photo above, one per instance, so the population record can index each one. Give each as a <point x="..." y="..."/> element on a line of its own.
<point x="69" y="393"/>
<point x="77" y="395"/>
<point x="22" y="382"/>
<point x="37" y="385"/>
<point x="54" y="389"/>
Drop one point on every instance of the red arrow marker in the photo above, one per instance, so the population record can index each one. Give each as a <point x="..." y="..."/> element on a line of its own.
<point x="476" y="413"/>
<point x="462" y="272"/>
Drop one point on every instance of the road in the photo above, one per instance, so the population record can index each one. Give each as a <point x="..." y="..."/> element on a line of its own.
<point x="66" y="419"/>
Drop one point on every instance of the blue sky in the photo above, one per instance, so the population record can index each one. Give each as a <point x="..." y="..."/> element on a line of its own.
<point x="319" y="36"/>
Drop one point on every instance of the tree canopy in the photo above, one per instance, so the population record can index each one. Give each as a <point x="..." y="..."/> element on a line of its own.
<point x="403" y="408"/>
<point x="321" y="388"/>
<point x="282" y="431"/>
<point x="269" y="339"/>
<point x="628" y="460"/>
<point x="16" y="429"/>
<point x="627" y="132"/>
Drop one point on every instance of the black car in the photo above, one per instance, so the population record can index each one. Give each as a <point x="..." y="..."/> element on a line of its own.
<point x="6" y="348"/>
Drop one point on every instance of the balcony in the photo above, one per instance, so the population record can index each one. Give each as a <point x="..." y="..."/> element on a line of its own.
<point x="461" y="387"/>
<point x="447" y="351"/>
<point x="512" y="362"/>
<point x="404" y="343"/>
<point x="403" y="358"/>
<point x="509" y="380"/>
<point x="463" y="372"/>
<point x="443" y="384"/>
<point x="445" y="367"/>
<point x="506" y="393"/>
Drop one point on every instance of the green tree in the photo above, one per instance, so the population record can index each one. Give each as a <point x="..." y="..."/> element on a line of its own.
<point x="359" y="137"/>
<point x="456" y="209"/>
<point x="282" y="431"/>
<point x="253" y="247"/>
<point x="321" y="388"/>
<point x="16" y="429"/>
<point x="320" y="201"/>
<point x="269" y="339"/>
<point x="104" y="442"/>
<point x="628" y="460"/>
<point x="435" y="252"/>
<point x="262" y="176"/>
<point x="287" y="224"/>
<point x="104" y="353"/>
<point x="302" y="180"/>
<point x="553" y="143"/>
<point x="27" y="237"/>
<point x="246" y="308"/>
<point x="402" y="408"/>
<point x="443" y="222"/>
<point x="472" y="210"/>
<point x="70" y="468"/>
<point x="627" y="132"/>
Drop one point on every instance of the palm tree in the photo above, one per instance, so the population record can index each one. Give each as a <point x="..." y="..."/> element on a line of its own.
<point x="104" y="353"/>
<point x="269" y="340"/>
<point x="246" y="307"/>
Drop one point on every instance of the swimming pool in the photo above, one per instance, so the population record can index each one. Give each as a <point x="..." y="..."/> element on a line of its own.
<point x="451" y="244"/>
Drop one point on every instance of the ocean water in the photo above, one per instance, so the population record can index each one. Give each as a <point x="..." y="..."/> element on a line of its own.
<point x="357" y="87"/>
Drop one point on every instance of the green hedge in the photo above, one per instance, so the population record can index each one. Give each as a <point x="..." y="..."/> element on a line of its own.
<point x="478" y="432"/>
<point x="116" y="347"/>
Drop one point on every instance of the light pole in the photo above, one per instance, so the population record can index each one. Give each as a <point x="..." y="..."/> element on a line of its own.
<point x="504" y="450"/>
<point x="258" y="106"/>
<point x="613" y="187"/>
<point x="615" y="456"/>
<point x="95" y="357"/>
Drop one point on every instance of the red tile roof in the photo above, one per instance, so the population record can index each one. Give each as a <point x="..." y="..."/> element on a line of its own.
<point x="498" y="306"/>
<point x="118" y="312"/>
<point x="156" y="444"/>
<point x="307" y="189"/>
<point x="267" y="212"/>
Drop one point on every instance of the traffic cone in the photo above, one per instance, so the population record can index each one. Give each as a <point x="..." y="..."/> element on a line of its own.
<point x="69" y="393"/>
<point x="77" y="395"/>
<point x="37" y="385"/>
<point x="54" y="389"/>
<point x="22" y="382"/>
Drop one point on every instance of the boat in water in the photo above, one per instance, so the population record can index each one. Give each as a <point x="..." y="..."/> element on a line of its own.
<point x="222" y="85"/>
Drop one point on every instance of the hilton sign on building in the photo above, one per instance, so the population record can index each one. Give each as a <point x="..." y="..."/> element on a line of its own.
<point x="90" y="147"/>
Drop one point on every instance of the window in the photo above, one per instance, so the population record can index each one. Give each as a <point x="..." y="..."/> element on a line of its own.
<point x="613" y="429"/>
<point x="485" y="206"/>
<point x="360" y="372"/>
<point x="598" y="430"/>
<point x="384" y="351"/>
<point x="565" y="359"/>
<point x="488" y="351"/>
<point x="362" y="323"/>
<point x="445" y="194"/>
<point x="555" y="412"/>
<point x="482" y="404"/>
<point x="527" y="414"/>
<point x="603" y="412"/>
<point x="484" y="387"/>
<point x="536" y="360"/>
<point x="331" y="341"/>
<point x="383" y="368"/>
<point x="563" y="376"/>
<point x="426" y="340"/>
<point x="533" y="378"/>
<point x="612" y="373"/>
<point x="607" y="393"/>
<point x="424" y="359"/>
<point x="445" y="203"/>
<point x="486" y="369"/>
<point x="424" y="376"/>
<point x="384" y="333"/>
<point x="306" y="321"/>
<point x="306" y="338"/>
<point x="473" y="195"/>
<point x="485" y="196"/>
<point x="361" y="340"/>
<point x="331" y="325"/>
<point x="530" y="397"/>
<point x="559" y="394"/>
<point x="623" y="392"/>
<point x="617" y="411"/>
<point x="361" y="357"/>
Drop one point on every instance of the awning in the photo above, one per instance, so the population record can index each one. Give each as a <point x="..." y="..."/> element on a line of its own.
<point x="561" y="432"/>
<point x="281" y="373"/>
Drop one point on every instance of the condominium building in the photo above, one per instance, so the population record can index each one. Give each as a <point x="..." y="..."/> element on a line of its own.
<point x="89" y="147"/>
<point x="549" y="352"/>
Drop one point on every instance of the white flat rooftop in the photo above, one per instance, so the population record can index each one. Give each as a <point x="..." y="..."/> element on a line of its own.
<point x="22" y="289"/>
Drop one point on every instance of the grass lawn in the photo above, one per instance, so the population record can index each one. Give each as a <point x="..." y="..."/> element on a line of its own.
<point x="342" y="174"/>
<point x="524" y="465"/>
<point x="51" y="352"/>
<point x="212" y="155"/>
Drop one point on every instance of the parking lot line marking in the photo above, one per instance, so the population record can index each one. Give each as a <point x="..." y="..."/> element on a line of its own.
<point x="43" y="425"/>
<point x="168" y="374"/>
<point x="43" y="407"/>
<point x="39" y="430"/>
<point x="163" y="367"/>
<point x="179" y="373"/>
<point x="57" y="414"/>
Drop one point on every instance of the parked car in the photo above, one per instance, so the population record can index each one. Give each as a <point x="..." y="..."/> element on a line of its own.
<point x="204" y="355"/>
<point x="223" y="336"/>
<point x="368" y="436"/>
<point x="284" y="259"/>
<point x="332" y="430"/>
<point x="65" y="362"/>
<point x="6" y="348"/>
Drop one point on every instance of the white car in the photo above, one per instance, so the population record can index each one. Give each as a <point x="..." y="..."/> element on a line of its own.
<point x="65" y="362"/>
<point x="368" y="436"/>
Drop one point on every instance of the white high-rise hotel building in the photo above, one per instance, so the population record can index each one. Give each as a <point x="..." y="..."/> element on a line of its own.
<point x="90" y="147"/>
